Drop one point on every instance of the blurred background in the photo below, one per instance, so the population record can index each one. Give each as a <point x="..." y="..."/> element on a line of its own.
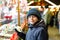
<point x="13" y="15"/>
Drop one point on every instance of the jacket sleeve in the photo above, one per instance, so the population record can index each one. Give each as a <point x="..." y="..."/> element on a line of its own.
<point x="20" y="34"/>
<point x="42" y="35"/>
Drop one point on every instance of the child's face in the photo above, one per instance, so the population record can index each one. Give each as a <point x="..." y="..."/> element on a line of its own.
<point x="32" y="19"/>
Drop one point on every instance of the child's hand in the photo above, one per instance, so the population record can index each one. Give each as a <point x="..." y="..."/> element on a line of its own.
<point x="23" y="25"/>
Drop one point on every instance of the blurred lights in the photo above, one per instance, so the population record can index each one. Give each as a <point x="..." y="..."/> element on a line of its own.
<point x="50" y="2"/>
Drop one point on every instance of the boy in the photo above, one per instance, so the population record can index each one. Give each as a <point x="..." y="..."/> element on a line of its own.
<point x="36" y="27"/>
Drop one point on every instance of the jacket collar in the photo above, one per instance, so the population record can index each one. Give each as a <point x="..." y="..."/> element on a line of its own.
<point x="38" y="24"/>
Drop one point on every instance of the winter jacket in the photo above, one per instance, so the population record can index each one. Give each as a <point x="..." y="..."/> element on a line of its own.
<point x="47" y="17"/>
<point x="35" y="32"/>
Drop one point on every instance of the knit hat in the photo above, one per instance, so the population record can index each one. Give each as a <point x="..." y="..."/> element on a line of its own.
<point x="34" y="12"/>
